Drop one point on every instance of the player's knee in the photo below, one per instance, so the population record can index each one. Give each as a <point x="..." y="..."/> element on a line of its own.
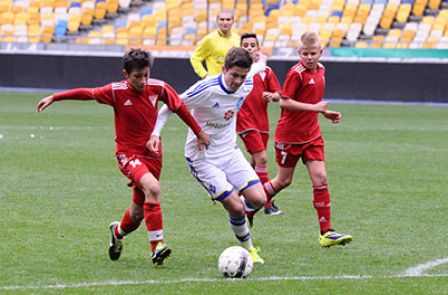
<point x="237" y="209"/>
<point x="261" y="160"/>
<point x="152" y="192"/>
<point x="259" y="202"/>
<point x="320" y="178"/>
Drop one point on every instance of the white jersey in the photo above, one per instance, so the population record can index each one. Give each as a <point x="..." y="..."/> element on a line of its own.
<point x="215" y="109"/>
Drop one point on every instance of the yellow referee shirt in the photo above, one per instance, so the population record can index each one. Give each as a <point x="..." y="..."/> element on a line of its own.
<point x="213" y="49"/>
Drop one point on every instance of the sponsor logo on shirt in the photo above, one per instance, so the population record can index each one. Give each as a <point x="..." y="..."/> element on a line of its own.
<point x="217" y="125"/>
<point x="312" y="81"/>
<point x="128" y="103"/>
<point x="216" y="105"/>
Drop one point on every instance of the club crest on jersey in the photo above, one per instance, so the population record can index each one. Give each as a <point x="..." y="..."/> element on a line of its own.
<point x="229" y="115"/>
<point x="153" y="99"/>
<point x="212" y="188"/>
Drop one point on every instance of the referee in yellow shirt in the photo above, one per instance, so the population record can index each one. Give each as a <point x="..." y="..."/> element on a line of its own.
<point x="214" y="46"/>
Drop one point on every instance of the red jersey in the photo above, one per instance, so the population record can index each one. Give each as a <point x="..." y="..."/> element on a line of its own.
<point x="135" y="111"/>
<point x="304" y="86"/>
<point x="253" y="114"/>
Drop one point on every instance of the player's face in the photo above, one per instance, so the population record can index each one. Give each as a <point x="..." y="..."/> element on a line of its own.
<point x="225" y="22"/>
<point x="310" y="56"/>
<point x="250" y="45"/>
<point x="138" y="78"/>
<point x="234" y="77"/>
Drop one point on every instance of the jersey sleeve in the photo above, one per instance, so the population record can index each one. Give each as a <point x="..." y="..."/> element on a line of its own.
<point x="291" y="85"/>
<point x="170" y="97"/>
<point x="199" y="55"/>
<point x="196" y="95"/>
<point x="104" y="95"/>
<point x="173" y="104"/>
<point x="101" y="94"/>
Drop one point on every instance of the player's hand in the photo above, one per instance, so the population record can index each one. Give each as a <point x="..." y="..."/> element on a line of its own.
<point x="270" y="97"/>
<point x="321" y="106"/>
<point x="258" y="56"/>
<point x="153" y="144"/>
<point x="44" y="103"/>
<point x="203" y="140"/>
<point x="335" y="117"/>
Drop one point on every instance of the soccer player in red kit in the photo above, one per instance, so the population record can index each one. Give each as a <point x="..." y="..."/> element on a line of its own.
<point x="135" y="103"/>
<point x="252" y="122"/>
<point x="298" y="134"/>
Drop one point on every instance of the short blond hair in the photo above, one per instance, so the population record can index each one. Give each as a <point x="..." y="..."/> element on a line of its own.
<point x="309" y="39"/>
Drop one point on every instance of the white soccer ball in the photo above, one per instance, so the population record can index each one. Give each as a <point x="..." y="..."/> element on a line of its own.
<point x="235" y="262"/>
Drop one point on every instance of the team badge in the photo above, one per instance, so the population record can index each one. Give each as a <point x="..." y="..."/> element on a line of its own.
<point x="229" y="115"/>
<point x="153" y="99"/>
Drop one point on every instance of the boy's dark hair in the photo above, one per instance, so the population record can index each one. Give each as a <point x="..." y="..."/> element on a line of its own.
<point x="137" y="59"/>
<point x="247" y="36"/>
<point x="238" y="57"/>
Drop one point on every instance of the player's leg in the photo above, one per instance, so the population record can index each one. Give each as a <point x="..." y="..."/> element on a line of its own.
<point x="152" y="213"/>
<point x="130" y="222"/>
<point x="237" y="221"/>
<point x="286" y="157"/>
<point x="314" y="160"/>
<point x="214" y="180"/>
<point x="255" y="144"/>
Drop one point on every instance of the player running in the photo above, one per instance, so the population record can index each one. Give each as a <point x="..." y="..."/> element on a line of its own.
<point x="222" y="169"/>
<point x="135" y="103"/>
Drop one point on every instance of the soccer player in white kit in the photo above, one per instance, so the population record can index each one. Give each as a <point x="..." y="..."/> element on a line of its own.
<point x="221" y="168"/>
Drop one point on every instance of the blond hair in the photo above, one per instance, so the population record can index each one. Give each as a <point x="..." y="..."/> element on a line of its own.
<point x="309" y="39"/>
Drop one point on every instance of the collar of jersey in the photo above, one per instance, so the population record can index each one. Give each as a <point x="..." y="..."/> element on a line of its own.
<point x="223" y="85"/>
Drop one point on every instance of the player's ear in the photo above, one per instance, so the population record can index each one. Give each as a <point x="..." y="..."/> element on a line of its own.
<point x="125" y="74"/>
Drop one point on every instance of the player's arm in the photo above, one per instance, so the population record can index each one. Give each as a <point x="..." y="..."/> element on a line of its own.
<point x="295" y="106"/>
<point x="334" y="116"/>
<point x="74" y="94"/>
<point x="174" y="104"/>
<point x="273" y="88"/>
<point x="199" y="55"/>
<point x="290" y="87"/>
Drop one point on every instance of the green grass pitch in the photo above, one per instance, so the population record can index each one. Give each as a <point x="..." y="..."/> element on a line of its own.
<point x="60" y="188"/>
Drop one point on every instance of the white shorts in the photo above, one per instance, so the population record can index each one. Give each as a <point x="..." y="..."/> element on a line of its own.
<point x="221" y="177"/>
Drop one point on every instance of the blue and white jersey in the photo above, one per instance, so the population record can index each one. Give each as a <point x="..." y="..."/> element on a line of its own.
<point x="214" y="107"/>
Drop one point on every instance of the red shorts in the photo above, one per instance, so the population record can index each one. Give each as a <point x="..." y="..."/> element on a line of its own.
<point x="287" y="154"/>
<point x="254" y="141"/>
<point x="134" y="167"/>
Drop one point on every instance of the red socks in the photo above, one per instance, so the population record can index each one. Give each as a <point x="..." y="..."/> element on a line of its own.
<point x="321" y="201"/>
<point x="126" y="225"/>
<point x="152" y="213"/>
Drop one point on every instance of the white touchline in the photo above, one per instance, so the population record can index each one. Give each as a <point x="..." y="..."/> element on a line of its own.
<point x="202" y="280"/>
<point x="420" y="269"/>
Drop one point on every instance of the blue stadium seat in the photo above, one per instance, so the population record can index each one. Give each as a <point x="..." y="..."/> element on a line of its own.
<point x="75" y="4"/>
<point x="146" y="11"/>
<point x="161" y="25"/>
<point x="119" y="23"/>
<point x="271" y="7"/>
<point x="337" y="13"/>
<point x="61" y="28"/>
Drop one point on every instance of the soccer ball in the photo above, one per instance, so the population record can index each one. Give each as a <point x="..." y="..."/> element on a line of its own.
<point x="235" y="262"/>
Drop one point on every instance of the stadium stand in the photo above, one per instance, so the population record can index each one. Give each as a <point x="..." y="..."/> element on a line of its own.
<point x="353" y="23"/>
